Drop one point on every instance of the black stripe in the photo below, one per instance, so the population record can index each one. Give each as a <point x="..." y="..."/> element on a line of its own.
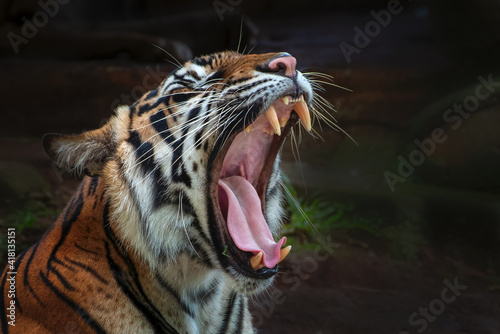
<point x="132" y="110"/>
<point x="151" y="94"/>
<point x="188" y="209"/>
<point x="240" y="317"/>
<point x="232" y="82"/>
<point x="26" y="273"/>
<point x="128" y="281"/>
<point x="56" y="260"/>
<point x="93" y="186"/>
<point x="76" y="204"/>
<point x="197" y="139"/>
<point x="179" y="173"/>
<point x="203" y="61"/>
<point x="61" y="278"/>
<point x="144" y="152"/>
<point x="102" y="195"/>
<point x="179" y="97"/>
<point x="193" y="113"/>
<point x="145" y="107"/>
<point x="194" y="75"/>
<point x="159" y="100"/>
<point x="145" y="155"/>
<point x="131" y="288"/>
<point x="88" y="269"/>
<point x="159" y="122"/>
<point x="199" y="254"/>
<point x="82" y="313"/>
<point x="85" y="250"/>
<point x="253" y="85"/>
<point x="217" y="75"/>
<point x="165" y="285"/>
<point x="205" y="295"/>
<point x="227" y="315"/>
<point x="182" y="80"/>
<point x="197" y="226"/>
<point x="69" y="218"/>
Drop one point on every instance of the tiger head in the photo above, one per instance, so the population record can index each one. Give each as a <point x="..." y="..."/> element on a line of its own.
<point x="192" y="168"/>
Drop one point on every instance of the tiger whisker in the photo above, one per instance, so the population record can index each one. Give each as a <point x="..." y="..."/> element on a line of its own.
<point x="181" y="211"/>
<point x="179" y="65"/>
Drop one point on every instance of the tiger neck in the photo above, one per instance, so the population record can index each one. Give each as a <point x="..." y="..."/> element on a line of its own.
<point x="183" y="288"/>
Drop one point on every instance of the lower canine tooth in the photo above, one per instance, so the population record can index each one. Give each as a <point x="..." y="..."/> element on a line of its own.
<point x="256" y="260"/>
<point x="303" y="111"/>
<point x="273" y="120"/>
<point x="284" y="252"/>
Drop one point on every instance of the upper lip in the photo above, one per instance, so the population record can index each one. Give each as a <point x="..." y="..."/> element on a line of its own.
<point x="224" y="244"/>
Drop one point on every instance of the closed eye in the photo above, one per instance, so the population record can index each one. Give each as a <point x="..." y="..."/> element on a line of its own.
<point x="211" y="80"/>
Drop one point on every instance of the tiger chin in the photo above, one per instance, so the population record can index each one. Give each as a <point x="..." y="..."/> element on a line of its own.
<point x="174" y="227"/>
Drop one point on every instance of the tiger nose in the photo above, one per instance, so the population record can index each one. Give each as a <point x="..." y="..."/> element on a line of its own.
<point x="284" y="65"/>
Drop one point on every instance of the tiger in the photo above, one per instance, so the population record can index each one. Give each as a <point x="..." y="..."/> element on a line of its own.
<point x="173" y="227"/>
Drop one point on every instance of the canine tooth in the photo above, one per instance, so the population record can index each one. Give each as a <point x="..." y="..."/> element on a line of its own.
<point x="273" y="119"/>
<point x="286" y="100"/>
<point x="248" y="128"/>
<point x="256" y="260"/>
<point x="284" y="252"/>
<point x="303" y="111"/>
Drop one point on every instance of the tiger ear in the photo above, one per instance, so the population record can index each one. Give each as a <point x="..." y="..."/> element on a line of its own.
<point x="87" y="152"/>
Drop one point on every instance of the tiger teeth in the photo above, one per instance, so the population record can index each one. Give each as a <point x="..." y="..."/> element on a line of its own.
<point x="303" y="111"/>
<point x="256" y="260"/>
<point x="273" y="120"/>
<point x="284" y="252"/>
<point x="275" y="123"/>
<point x="248" y="128"/>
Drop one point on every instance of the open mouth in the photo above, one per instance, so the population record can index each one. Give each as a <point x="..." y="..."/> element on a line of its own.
<point x="240" y="176"/>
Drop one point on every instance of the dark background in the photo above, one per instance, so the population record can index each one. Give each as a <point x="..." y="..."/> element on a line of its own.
<point x="394" y="247"/>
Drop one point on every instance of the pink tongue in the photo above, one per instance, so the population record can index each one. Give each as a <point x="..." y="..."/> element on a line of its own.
<point x="245" y="221"/>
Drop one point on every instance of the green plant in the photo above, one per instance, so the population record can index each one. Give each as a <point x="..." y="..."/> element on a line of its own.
<point x="308" y="216"/>
<point x="26" y="216"/>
